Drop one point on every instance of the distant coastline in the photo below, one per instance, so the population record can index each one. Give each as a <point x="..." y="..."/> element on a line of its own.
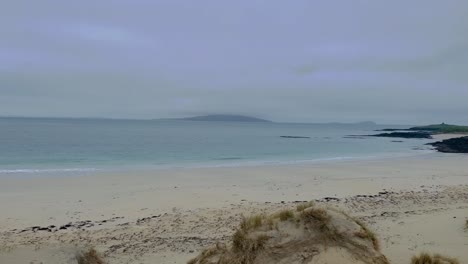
<point x="459" y="144"/>
<point x="214" y="117"/>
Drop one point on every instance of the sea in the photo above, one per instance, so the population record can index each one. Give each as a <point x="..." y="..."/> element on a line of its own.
<point x="60" y="146"/>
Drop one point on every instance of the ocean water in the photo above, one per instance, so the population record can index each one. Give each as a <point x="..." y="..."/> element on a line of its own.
<point x="73" y="146"/>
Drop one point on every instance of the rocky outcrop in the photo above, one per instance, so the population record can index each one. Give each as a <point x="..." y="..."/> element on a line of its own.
<point x="405" y="135"/>
<point x="453" y="145"/>
<point x="294" y="137"/>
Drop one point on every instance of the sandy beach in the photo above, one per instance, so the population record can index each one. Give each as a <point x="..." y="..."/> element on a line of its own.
<point x="414" y="204"/>
<point x="233" y="132"/>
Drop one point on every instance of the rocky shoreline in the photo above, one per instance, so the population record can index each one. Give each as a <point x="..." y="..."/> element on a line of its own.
<point x="453" y="145"/>
<point x="405" y="135"/>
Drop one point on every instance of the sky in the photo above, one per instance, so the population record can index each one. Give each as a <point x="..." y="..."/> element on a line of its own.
<point x="399" y="61"/>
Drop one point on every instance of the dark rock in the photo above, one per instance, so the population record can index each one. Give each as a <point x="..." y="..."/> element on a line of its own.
<point x="405" y="135"/>
<point x="355" y="137"/>
<point x="391" y="129"/>
<point x="453" y="145"/>
<point x="327" y="199"/>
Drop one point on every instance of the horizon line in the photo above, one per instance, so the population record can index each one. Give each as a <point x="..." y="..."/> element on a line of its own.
<point x="181" y="119"/>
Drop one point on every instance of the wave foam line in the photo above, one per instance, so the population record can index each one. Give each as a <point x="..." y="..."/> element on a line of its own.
<point x="47" y="170"/>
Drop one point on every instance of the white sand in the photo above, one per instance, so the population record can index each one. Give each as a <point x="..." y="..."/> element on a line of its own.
<point x="193" y="208"/>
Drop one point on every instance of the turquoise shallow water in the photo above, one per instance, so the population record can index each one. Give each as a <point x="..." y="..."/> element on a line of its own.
<point x="41" y="146"/>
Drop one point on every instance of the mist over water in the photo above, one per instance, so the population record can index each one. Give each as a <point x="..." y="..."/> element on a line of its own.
<point x="45" y="146"/>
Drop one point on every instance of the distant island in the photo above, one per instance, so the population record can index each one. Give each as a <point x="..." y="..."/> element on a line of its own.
<point x="225" y="118"/>
<point x="442" y="128"/>
<point x="433" y="129"/>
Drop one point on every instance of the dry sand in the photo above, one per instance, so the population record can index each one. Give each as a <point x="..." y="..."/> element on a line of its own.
<point x="168" y="216"/>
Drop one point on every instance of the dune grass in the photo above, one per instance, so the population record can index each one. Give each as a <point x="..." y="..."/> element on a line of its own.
<point x="285" y="215"/>
<point x="256" y="237"/>
<point x="251" y="222"/>
<point x="242" y="242"/>
<point x="425" y="258"/>
<point x="90" y="256"/>
<point x="303" y="206"/>
<point x="320" y="218"/>
<point x="207" y="253"/>
<point x="367" y="233"/>
<point x="317" y="214"/>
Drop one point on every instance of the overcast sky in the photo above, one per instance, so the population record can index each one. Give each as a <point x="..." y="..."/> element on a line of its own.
<point x="393" y="61"/>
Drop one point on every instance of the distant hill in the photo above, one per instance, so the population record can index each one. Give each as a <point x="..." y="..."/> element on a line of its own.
<point x="225" y="118"/>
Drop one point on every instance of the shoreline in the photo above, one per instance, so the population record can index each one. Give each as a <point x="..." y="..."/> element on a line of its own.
<point x="86" y="171"/>
<point x="375" y="174"/>
<point x="141" y="168"/>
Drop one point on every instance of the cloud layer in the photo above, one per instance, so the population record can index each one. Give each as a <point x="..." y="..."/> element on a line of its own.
<point x="301" y="61"/>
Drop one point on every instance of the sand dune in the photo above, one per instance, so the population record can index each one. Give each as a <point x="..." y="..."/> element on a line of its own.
<point x="308" y="234"/>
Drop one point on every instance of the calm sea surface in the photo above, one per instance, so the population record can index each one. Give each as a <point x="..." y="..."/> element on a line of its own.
<point x="44" y="146"/>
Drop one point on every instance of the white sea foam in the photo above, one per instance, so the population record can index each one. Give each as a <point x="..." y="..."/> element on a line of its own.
<point x="35" y="171"/>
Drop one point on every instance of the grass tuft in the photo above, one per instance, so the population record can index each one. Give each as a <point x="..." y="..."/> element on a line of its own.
<point x="425" y="258"/>
<point x="317" y="214"/>
<point x="241" y="242"/>
<point x="91" y="256"/>
<point x="303" y="206"/>
<point x="251" y="222"/>
<point x="321" y="220"/>
<point x="285" y="215"/>
<point x="270" y="223"/>
<point x="366" y="233"/>
<point x="206" y="254"/>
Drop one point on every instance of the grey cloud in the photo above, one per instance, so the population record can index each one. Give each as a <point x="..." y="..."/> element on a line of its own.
<point x="305" y="61"/>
